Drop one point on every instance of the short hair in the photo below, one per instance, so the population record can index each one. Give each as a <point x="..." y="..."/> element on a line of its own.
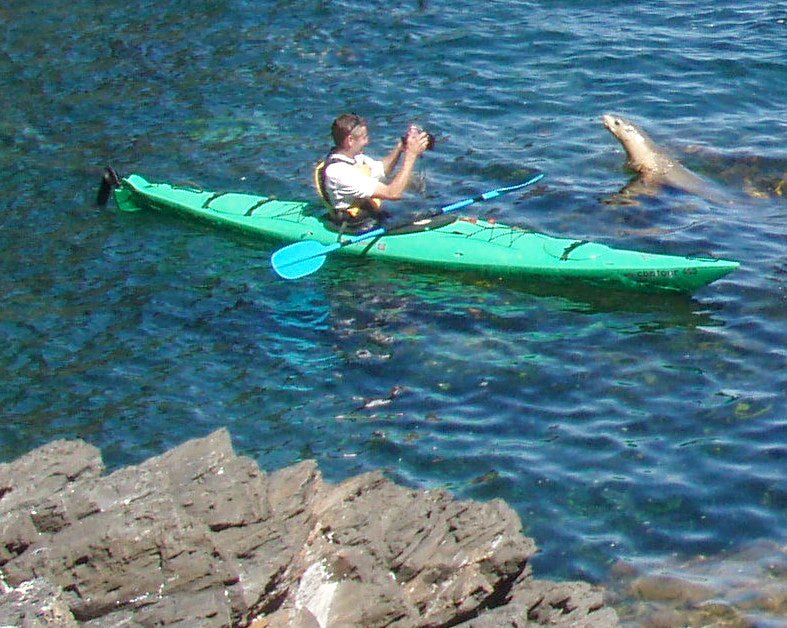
<point x="344" y="125"/>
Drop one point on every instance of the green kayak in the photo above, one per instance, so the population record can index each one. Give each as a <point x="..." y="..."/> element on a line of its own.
<point x="442" y="242"/>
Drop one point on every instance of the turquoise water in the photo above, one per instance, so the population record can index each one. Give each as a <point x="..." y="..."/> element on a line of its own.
<point x="621" y="427"/>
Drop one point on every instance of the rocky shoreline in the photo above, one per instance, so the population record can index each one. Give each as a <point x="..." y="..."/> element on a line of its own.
<point x="200" y="536"/>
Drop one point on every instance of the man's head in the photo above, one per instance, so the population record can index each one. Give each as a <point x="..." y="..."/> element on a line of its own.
<point x="350" y="132"/>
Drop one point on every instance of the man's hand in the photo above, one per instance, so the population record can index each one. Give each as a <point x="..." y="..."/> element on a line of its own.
<point x="416" y="141"/>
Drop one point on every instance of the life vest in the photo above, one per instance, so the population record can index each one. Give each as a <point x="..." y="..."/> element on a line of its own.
<point x="357" y="210"/>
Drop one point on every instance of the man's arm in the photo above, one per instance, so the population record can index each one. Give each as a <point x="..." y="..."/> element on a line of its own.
<point x="390" y="160"/>
<point x="413" y="148"/>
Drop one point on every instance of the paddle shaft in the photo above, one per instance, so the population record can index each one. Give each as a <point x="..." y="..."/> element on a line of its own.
<point x="486" y="196"/>
<point x="305" y="257"/>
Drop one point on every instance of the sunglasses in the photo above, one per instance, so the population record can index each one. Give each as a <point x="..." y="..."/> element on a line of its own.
<point x="359" y="122"/>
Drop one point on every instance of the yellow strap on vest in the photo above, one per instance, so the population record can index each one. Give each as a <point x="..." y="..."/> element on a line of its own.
<point x="319" y="183"/>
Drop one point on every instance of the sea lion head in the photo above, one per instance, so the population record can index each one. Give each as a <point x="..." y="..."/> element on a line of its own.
<point x="642" y="153"/>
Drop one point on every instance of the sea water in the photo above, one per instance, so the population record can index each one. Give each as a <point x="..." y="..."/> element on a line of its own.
<point x="623" y="428"/>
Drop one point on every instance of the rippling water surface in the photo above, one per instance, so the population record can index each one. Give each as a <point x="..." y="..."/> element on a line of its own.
<point x="621" y="427"/>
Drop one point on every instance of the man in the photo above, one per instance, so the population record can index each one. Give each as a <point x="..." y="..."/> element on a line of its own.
<point x="352" y="183"/>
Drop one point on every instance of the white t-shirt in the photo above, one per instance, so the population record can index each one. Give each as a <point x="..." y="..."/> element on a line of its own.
<point x="347" y="182"/>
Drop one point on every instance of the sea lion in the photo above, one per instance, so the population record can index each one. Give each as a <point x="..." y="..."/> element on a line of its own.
<point x="655" y="168"/>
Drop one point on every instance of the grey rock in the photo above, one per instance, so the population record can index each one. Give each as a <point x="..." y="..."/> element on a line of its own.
<point x="36" y="604"/>
<point x="445" y="558"/>
<point x="202" y="537"/>
<point x="46" y="471"/>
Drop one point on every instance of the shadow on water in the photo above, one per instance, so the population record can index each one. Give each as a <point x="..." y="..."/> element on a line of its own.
<point x="512" y="297"/>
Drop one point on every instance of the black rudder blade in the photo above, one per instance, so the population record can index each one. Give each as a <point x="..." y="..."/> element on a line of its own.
<point x="109" y="181"/>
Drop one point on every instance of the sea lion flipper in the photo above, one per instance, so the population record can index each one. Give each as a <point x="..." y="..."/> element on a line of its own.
<point x="628" y="194"/>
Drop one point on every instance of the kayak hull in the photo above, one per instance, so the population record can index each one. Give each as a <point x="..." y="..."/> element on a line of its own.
<point x="462" y="245"/>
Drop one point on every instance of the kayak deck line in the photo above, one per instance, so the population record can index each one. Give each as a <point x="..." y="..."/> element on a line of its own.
<point x="465" y="244"/>
<point x="570" y="248"/>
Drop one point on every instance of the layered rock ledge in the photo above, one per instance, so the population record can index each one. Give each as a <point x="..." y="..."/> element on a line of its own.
<point x="200" y="536"/>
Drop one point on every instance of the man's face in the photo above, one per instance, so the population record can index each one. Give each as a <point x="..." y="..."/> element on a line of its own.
<point x="357" y="140"/>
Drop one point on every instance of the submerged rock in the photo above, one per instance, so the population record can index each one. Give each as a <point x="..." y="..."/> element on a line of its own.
<point x="202" y="536"/>
<point x="744" y="588"/>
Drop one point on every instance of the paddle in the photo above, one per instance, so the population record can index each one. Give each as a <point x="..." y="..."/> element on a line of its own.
<point x="307" y="256"/>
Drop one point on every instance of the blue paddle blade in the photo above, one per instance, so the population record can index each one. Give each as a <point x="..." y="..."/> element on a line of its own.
<point x="300" y="259"/>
